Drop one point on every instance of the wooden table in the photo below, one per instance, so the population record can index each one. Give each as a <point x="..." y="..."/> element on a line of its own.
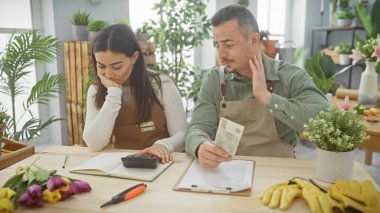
<point x="159" y="196"/>
<point x="373" y="130"/>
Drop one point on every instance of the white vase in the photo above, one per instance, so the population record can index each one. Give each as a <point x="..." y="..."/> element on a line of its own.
<point x="343" y="22"/>
<point x="368" y="87"/>
<point x="80" y="32"/>
<point x="331" y="166"/>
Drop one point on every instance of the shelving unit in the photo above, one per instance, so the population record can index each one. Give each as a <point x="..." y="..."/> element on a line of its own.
<point x="328" y="30"/>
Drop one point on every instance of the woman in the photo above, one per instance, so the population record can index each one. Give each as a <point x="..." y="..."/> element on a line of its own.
<point x="129" y="105"/>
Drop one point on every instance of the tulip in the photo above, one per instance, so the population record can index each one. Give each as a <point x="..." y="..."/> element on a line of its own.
<point x="33" y="197"/>
<point x="82" y="186"/>
<point x="376" y="51"/>
<point x="6" y="193"/>
<point x="6" y="206"/>
<point x="52" y="196"/>
<point x="56" y="182"/>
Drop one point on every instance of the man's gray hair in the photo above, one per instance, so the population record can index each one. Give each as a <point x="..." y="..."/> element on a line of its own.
<point x="244" y="17"/>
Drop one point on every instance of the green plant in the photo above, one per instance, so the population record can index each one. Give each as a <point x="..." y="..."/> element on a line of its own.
<point x="123" y="21"/>
<point x="3" y="114"/>
<point x="322" y="70"/>
<point x="336" y="130"/>
<point x="343" y="48"/>
<point x="80" y="18"/>
<point x="96" y="25"/>
<point x="181" y="27"/>
<point x="22" y="52"/>
<point x="371" y="22"/>
<point x="244" y="2"/>
<point x="346" y="14"/>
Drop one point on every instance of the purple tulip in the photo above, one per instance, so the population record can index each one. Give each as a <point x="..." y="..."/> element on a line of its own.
<point x="33" y="197"/>
<point x="82" y="186"/>
<point x="55" y="182"/>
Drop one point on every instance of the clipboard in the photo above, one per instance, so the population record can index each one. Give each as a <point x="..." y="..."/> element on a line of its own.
<point x="194" y="187"/>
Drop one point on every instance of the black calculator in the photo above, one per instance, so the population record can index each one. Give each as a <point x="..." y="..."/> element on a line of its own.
<point x="140" y="161"/>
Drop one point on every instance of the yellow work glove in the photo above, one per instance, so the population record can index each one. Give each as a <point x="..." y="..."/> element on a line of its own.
<point x="280" y="195"/>
<point x="356" y="197"/>
<point x="318" y="200"/>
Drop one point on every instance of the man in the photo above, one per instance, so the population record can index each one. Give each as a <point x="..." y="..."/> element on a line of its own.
<point x="271" y="98"/>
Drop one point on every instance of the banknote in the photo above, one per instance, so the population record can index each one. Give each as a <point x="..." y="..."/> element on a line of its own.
<point x="228" y="135"/>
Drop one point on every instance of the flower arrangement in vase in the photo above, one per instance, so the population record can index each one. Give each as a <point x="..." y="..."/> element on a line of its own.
<point x="336" y="134"/>
<point x="369" y="51"/>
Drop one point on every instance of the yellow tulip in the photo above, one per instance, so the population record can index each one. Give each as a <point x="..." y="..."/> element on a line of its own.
<point x="6" y="206"/>
<point x="51" y="197"/>
<point x="7" y="193"/>
<point x="65" y="188"/>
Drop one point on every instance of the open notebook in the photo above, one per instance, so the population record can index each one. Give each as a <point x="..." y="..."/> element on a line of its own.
<point x="110" y="164"/>
<point x="233" y="177"/>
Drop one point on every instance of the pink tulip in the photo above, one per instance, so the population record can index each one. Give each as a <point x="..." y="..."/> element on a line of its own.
<point x="82" y="186"/>
<point x="55" y="182"/>
<point x="33" y="197"/>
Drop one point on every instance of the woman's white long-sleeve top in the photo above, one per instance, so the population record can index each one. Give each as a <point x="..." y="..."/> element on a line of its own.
<point x="100" y="122"/>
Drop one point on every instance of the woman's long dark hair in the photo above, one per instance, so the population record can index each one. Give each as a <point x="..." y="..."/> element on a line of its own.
<point x="119" y="38"/>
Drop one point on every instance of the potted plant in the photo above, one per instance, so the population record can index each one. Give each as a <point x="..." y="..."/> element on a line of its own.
<point x="322" y="70"/>
<point x="344" y="49"/>
<point x="79" y="22"/>
<point x="181" y="26"/>
<point x="369" y="51"/>
<point x="22" y="52"/>
<point x="336" y="133"/>
<point x="94" y="27"/>
<point x="267" y="45"/>
<point x="344" y="18"/>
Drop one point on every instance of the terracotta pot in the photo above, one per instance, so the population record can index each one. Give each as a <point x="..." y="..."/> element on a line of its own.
<point x="269" y="47"/>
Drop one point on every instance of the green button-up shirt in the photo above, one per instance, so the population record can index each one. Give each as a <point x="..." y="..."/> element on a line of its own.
<point x="295" y="99"/>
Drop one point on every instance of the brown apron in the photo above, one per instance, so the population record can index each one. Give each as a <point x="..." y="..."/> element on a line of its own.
<point x="128" y="134"/>
<point x="260" y="137"/>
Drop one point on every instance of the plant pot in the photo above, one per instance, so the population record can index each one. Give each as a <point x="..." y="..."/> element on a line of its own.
<point x="331" y="166"/>
<point x="368" y="86"/>
<point x="344" y="59"/>
<point x="286" y="54"/>
<point x="269" y="47"/>
<point x="343" y="22"/>
<point x="92" y="35"/>
<point x="80" y="33"/>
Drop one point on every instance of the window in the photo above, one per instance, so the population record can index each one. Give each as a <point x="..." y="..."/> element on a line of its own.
<point x="271" y="16"/>
<point x="18" y="20"/>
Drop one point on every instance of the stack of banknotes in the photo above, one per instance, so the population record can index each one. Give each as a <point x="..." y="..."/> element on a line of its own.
<point x="228" y="135"/>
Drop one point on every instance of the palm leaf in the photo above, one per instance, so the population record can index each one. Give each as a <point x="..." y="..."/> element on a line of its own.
<point x="46" y="88"/>
<point x="32" y="128"/>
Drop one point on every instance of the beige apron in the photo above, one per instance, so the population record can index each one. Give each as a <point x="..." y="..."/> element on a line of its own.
<point x="128" y="134"/>
<point x="260" y="136"/>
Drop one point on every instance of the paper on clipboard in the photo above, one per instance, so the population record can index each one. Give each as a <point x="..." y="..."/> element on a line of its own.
<point x="234" y="177"/>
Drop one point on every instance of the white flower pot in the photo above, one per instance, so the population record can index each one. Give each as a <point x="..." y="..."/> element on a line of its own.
<point x="343" y="22"/>
<point x="80" y="32"/>
<point x="344" y="59"/>
<point x="331" y="166"/>
<point x="368" y="85"/>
